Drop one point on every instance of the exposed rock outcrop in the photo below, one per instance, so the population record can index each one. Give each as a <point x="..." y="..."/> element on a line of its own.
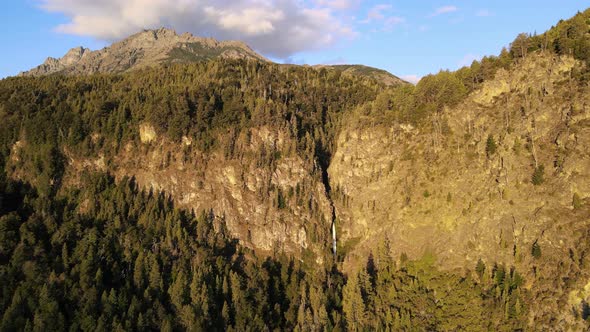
<point x="445" y="194"/>
<point x="282" y="206"/>
<point x="147" y="48"/>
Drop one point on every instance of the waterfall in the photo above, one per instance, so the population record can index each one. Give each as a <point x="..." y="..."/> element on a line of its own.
<point x="334" y="237"/>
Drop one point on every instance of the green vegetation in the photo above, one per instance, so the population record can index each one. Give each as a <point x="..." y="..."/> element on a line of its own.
<point x="491" y="146"/>
<point x="112" y="257"/>
<point x="480" y="268"/>
<point x="446" y="89"/>
<point x="568" y="37"/>
<point x="376" y="74"/>
<point x="536" y="250"/>
<point x="538" y="175"/>
<point x="420" y="105"/>
<point x="88" y="115"/>
<point x="105" y="255"/>
<point x="415" y="296"/>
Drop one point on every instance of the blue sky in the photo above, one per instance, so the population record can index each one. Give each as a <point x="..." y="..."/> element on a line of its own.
<point x="407" y="38"/>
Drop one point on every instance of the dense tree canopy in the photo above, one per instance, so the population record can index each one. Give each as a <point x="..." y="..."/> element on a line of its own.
<point x="113" y="257"/>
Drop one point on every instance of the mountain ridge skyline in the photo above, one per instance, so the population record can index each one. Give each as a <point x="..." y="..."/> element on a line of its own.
<point x="150" y="47"/>
<point x="410" y="49"/>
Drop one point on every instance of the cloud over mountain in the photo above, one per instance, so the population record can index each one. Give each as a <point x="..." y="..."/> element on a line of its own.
<point x="277" y="28"/>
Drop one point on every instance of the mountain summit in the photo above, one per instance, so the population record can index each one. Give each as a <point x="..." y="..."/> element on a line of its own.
<point x="153" y="47"/>
<point x="144" y="49"/>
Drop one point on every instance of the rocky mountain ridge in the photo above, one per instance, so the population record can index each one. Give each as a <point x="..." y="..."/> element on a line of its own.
<point x="164" y="46"/>
<point x="144" y="49"/>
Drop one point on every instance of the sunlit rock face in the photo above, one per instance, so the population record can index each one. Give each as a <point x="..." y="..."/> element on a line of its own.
<point x="144" y="49"/>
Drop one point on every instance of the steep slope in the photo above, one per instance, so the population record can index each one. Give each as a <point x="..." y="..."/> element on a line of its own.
<point x="467" y="191"/>
<point x="487" y="165"/>
<point x="144" y="49"/>
<point x="245" y="141"/>
<point x="261" y="202"/>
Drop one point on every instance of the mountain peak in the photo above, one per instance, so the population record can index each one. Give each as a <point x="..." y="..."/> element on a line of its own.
<point x="144" y="49"/>
<point x="155" y="34"/>
<point x="163" y="31"/>
<point x="74" y="55"/>
<point x="152" y="47"/>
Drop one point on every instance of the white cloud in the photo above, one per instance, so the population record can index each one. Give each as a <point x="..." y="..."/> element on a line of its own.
<point x="484" y="13"/>
<point x="443" y="10"/>
<point x="250" y="21"/>
<point x="278" y="28"/>
<point x="414" y="79"/>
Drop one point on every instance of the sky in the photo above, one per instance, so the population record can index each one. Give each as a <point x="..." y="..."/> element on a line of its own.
<point x="407" y="38"/>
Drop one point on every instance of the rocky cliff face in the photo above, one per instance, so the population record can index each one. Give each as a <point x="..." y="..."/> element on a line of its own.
<point x="53" y="65"/>
<point x="261" y="205"/>
<point x="247" y="141"/>
<point x="401" y="180"/>
<point x="283" y="206"/>
<point x="442" y="190"/>
<point x="144" y="49"/>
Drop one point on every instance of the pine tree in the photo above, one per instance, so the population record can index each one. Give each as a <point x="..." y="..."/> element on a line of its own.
<point x="178" y="290"/>
<point x="536" y="250"/>
<point x="139" y="271"/>
<point x="491" y="146"/>
<point x="155" y="277"/>
<point x="538" y="175"/>
<point x="480" y="268"/>
<point x="353" y="304"/>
